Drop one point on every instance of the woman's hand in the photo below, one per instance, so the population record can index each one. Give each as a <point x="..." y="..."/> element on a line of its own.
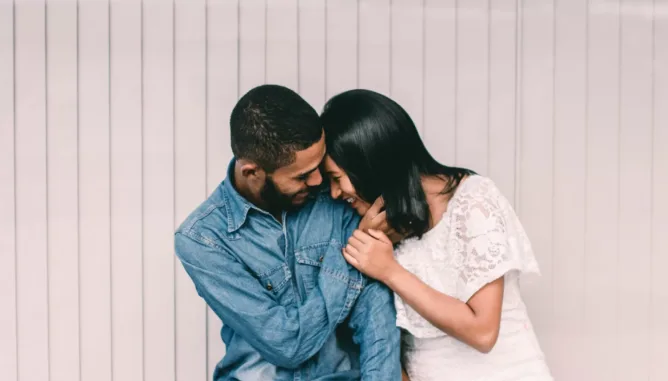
<point x="372" y="254"/>
<point x="375" y="218"/>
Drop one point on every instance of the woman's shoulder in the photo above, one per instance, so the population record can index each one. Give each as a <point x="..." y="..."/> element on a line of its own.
<point x="479" y="200"/>
<point x="477" y="187"/>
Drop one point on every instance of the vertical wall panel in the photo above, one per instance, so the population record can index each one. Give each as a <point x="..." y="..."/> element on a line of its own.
<point x="635" y="174"/>
<point x="570" y="143"/>
<point x="114" y="126"/>
<point x="282" y="43"/>
<point x="312" y="24"/>
<point x="31" y="191"/>
<point x="252" y="44"/>
<point x="440" y="129"/>
<point x="222" y="84"/>
<point x="374" y="45"/>
<point x="602" y="201"/>
<point x="407" y="69"/>
<point x="502" y="33"/>
<point x="658" y="367"/>
<point x="536" y="153"/>
<point x="472" y="84"/>
<point x="190" y="176"/>
<point x="8" y="323"/>
<point x="63" y="192"/>
<point x="158" y="188"/>
<point x="126" y="189"/>
<point x="94" y="192"/>
<point x="341" y="45"/>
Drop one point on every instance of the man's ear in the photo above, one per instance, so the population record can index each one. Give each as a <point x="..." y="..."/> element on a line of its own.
<point x="251" y="171"/>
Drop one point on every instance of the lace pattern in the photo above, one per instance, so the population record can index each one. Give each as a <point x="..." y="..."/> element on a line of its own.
<point x="478" y="240"/>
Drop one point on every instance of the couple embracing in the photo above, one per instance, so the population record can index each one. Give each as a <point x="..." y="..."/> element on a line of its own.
<point x="337" y="248"/>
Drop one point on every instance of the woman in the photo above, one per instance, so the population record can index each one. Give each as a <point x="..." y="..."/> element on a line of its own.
<point x="456" y="272"/>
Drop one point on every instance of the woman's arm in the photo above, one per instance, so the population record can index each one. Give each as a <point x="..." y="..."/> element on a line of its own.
<point x="475" y="322"/>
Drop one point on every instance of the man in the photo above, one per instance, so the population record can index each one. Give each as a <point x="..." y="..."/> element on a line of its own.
<point x="264" y="251"/>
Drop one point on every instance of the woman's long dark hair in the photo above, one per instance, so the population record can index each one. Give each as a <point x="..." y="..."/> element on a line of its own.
<point x="375" y="142"/>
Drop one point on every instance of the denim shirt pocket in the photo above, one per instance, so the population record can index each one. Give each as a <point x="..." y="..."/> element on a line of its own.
<point x="309" y="262"/>
<point x="277" y="282"/>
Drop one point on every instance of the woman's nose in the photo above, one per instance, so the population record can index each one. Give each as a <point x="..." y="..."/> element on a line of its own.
<point x="335" y="190"/>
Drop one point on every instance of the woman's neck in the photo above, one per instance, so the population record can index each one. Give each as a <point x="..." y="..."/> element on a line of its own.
<point x="433" y="187"/>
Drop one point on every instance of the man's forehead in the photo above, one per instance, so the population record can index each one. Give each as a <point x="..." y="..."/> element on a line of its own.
<point x="306" y="160"/>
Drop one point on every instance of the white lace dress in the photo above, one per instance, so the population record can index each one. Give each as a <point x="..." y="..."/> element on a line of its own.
<point x="478" y="240"/>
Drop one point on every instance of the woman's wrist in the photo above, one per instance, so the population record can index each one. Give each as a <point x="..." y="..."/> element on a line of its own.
<point x="393" y="275"/>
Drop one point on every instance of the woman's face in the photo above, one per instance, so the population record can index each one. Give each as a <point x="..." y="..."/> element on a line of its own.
<point x="342" y="188"/>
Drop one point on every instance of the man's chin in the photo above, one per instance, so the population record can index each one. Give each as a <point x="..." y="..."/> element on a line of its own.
<point x="297" y="204"/>
<point x="300" y="199"/>
<point x="294" y="205"/>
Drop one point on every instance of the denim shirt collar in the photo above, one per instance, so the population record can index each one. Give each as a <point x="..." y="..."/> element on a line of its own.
<point x="237" y="206"/>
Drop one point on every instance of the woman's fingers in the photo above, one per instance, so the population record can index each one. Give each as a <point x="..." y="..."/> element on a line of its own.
<point x="362" y="236"/>
<point x="355" y="242"/>
<point x="351" y="250"/>
<point x="379" y="236"/>
<point x="350" y="259"/>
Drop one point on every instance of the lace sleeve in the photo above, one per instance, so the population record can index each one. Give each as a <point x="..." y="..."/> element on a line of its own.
<point x="489" y="239"/>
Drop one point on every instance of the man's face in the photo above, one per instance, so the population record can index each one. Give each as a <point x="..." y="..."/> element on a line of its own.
<point x="290" y="186"/>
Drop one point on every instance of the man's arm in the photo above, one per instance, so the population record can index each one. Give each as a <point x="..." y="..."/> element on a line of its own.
<point x="373" y="321"/>
<point x="284" y="336"/>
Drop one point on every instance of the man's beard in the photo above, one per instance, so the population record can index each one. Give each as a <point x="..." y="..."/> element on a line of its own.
<point x="275" y="200"/>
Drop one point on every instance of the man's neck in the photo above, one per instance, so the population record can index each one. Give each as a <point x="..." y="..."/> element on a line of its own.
<point x="246" y="191"/>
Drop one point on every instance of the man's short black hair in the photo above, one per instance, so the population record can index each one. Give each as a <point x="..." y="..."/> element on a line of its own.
<point x="270" y="123"/>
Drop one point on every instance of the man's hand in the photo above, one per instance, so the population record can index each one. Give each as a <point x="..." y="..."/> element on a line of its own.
<point x="376" y="218"/>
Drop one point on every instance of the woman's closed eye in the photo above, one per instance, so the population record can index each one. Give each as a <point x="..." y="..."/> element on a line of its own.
<point x="333" y="177"/>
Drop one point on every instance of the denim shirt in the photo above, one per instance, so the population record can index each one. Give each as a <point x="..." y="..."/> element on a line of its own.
<point x="292" y="308"/>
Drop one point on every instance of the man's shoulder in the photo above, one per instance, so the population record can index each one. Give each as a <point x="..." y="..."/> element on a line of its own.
<point x="322" y="220"/>
<point x="325" y="210"/>
<point x="210" y="214"/>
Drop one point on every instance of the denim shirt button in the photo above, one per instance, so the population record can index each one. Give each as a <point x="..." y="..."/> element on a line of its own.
<point x="321" y="258"/>
<point x="269" y="287"/>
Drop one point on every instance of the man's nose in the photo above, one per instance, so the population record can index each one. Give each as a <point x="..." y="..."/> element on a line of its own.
<point x="314" y="179"/>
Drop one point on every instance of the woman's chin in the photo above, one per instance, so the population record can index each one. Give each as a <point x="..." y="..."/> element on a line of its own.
<point x="360" y="207"/>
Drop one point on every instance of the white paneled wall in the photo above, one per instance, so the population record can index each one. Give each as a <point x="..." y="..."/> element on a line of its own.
<point x="113" y="127"/>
